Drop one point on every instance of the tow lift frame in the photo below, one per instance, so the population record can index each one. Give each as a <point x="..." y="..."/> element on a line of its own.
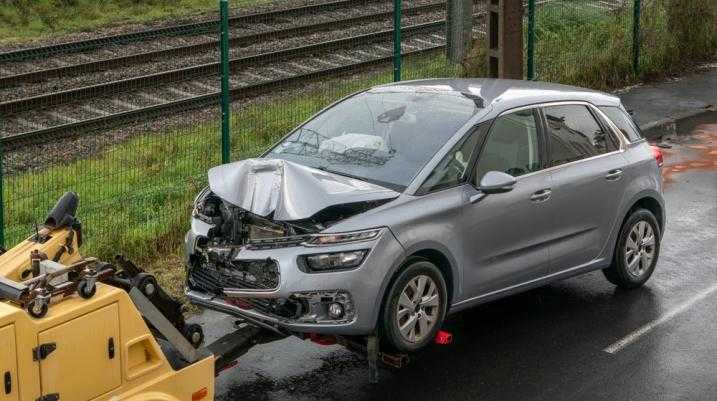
<point x="167" y="322"/>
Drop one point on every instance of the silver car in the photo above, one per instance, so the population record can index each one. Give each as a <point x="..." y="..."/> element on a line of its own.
<point x="403" y="203"/>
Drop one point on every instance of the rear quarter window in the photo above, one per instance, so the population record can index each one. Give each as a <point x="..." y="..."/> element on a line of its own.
<point x="623" y="121"/>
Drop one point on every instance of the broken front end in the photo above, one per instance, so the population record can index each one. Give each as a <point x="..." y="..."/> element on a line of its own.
<point x="291" y="274"/>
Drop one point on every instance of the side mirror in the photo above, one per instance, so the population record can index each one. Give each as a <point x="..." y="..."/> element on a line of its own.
<point x="494" y="182"/>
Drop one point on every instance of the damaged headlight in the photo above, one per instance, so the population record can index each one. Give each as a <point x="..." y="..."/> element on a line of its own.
<point x="342" y="238"/>
<point x="203" y="209"/>
<point x="335" y="260"/>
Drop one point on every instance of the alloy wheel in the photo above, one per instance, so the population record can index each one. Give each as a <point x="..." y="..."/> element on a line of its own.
<point x="639" y="248"/>
<point x="418" y="308"/>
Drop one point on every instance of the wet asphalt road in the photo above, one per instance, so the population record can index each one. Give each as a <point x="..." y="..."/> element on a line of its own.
<point x="549" y="343"/>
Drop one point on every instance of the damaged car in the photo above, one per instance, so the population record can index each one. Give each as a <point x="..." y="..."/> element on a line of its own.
<point x="406" y="202"/>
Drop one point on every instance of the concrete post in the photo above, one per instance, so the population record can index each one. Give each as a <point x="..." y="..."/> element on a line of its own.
<point x="505" y="39"/>
<point x="459" y="27"/>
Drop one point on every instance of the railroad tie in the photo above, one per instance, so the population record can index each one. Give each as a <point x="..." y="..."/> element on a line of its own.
<point x="383" y="49"/>
<point x="95" y="110"/>
<point x="180" y="92"/>
<point x="425" y="42"/>
<point x="300" y="66"/>
<point x="347" y="58"/>
<point x="328" y="63"/>
<point x="202" y="86"/>
<point x="32" y="124"/>
<point x="126" y="105"/>
<point x="152" y="98"/>
<point x="254" y="76"/>
<point x="62" y="117"/>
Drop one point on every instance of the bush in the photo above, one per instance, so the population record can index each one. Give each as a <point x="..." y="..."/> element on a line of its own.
<point x="575" y="44"/>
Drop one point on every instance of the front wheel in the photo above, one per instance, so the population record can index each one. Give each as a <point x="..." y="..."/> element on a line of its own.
<point x="415" y="307"/>
<point x="636" y="251"/>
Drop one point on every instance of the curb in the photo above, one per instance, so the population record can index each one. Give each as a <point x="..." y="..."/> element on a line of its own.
<point x="667" y="127"/>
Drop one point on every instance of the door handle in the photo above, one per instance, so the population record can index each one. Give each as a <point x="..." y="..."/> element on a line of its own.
<point x="8" y="382"/>
<point x="613" y="175"/>
<point x="541" y="196"/>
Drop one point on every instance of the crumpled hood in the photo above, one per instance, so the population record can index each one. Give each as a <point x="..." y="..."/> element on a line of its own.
<point x="290" y="190"/>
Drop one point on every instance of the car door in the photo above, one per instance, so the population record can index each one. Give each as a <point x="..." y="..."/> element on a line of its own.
<point x="586" y="167"/>
<point x="506" y="234"/>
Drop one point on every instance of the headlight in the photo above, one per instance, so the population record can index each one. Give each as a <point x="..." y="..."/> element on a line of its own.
<point x="335" y="260"/>
<point x="205" y="206"/>
<point x="199" y="199"/>
<point x="342" y="238"/>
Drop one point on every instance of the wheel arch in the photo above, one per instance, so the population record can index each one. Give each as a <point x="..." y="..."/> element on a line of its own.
<point x="434" y="255"/>
<point x="650" y="203"/>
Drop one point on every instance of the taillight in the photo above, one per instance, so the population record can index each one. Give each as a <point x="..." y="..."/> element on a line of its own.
<point x="657" y="153"/>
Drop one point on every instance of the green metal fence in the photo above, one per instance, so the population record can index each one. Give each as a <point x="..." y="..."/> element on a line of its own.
<point x="133" y="121"/>
<point x="586" y="42"/>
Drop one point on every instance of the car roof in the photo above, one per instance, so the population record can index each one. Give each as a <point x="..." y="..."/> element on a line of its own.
<point x="503" y="94"/>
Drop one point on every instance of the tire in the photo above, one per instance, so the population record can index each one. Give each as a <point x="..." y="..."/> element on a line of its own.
<point x="147" y="284"/>
<point x="194" y="334"/>
<point x="427" y="316"/>
<point x="37" y="308"/>
<point x="636" y="251"/>
<point x="85" y="290"/>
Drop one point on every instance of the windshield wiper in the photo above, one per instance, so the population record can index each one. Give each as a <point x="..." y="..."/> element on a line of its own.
<point x="328" y="170"/>
<point x="395" y="187"/>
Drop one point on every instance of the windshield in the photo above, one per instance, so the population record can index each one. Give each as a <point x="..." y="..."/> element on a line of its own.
<point x="384" y="137"/>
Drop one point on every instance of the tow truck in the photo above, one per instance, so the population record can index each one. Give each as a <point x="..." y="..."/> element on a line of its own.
<point x="76" y="328"/>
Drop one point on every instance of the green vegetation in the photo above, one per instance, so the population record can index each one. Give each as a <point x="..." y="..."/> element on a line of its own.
<point x="135" y="197"/>
<point x="33" y="19"/>
<point x="579" y="44"/>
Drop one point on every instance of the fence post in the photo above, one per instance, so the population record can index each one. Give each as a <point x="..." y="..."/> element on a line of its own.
<point x="531" y="40"/>
<point x="2" y="200"/>
<point x="636" y="37"/>
<point x="459" y="25"/>
<point x="225" y="101"/>
<point x="396" y="40"/>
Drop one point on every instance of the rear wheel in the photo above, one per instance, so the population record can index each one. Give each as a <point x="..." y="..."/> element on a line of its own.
<point x="636" y="251"/>
<point x="415" y="307"/>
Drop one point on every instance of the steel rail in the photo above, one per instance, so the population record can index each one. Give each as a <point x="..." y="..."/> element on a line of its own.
<point x="197" y="101"/>
<point x="242" y="40"/>
<point x="177" y="30"/>
<point x="71" y="95"/>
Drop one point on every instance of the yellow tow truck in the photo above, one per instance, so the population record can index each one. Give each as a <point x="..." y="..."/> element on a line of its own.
<point x="76" y="329"/>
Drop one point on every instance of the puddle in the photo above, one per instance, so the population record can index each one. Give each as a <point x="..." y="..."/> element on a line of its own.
<point x="695" y="151"/>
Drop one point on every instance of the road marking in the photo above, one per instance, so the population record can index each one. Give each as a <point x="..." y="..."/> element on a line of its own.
<point x="635" y="335"/>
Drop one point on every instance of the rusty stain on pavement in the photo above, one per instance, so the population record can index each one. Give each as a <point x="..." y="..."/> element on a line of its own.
<point x="701" y="146"/>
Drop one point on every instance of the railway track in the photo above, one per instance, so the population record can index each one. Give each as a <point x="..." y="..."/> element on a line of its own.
<point x="210" y="26"/>
<point x="110" y="103"/>
<point x="107" y="104"/>
<point x="120" y="57"/>
<point x="244" y="40"/>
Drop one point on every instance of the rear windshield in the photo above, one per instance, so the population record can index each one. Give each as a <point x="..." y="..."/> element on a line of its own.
<point x="384" y="137"/>
<point x="623" y="121"/>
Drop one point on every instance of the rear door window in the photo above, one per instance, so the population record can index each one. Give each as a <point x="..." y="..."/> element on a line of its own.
<point x="623" y="121"/>
<point x="574" y="134"/>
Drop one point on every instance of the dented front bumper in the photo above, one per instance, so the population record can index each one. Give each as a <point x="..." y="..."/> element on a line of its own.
<point x="358" y="290"/>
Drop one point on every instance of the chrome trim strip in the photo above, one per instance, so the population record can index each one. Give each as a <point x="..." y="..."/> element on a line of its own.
<point x="621" y="138"/>
<point x="528" y="283"/>
<point x="379" y="232"/>
<point x="246" y="293"/>
<point x="213" y="303"/>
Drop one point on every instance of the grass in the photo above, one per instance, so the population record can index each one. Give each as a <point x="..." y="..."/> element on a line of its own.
<point x="135" y="197"/>
<point x="21" y="20"/>
<point x="582" y="45"/>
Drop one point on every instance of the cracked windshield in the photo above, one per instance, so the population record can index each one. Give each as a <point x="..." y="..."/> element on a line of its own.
<point x="379" y="136"/>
